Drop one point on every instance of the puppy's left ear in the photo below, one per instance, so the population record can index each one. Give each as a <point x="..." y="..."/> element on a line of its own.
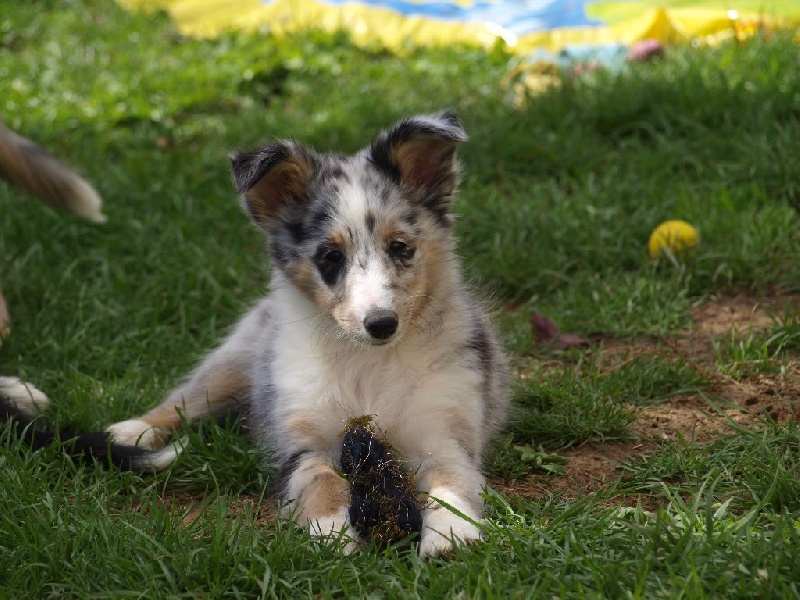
<point x="420" y="154"/>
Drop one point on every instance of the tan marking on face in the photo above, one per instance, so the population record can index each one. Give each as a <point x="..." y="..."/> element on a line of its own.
<point x="389" y="231"/>
<point x="326" y="495"/>
<point x="302" y="275"/>
<point x="424" y="283"/>
<point x="386" y="233"/>
<point x="345" y="319"/>
<point x="323" y="298"/>
<point x="341" y="239"/>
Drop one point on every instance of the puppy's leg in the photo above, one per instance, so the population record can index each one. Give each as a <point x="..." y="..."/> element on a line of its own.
<point x="317" y="497"/>
<point x="5" y="321"/>
<point x="213" y="388"/>
<point x="217" y="385"/>
<point x="452" y="477"/>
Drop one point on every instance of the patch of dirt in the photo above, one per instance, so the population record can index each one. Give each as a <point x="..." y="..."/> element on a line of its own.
<point x="589" y="467"/>
<point x="720" y="316"/>
<point x="741" y="403"/>
<point x="727" y="404"/>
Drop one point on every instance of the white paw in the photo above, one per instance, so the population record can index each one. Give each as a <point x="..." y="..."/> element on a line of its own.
<point x="442" y="529"/>
<point x="443" y="526"/>
<point x="25" y="397"/>
<point x="135" y="432"/>
<point x="334" y="528"/>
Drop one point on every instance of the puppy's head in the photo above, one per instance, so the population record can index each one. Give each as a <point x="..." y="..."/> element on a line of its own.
<point x="363" y="236"/>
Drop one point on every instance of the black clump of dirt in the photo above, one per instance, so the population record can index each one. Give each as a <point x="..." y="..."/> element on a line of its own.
<point x="383" y="504"/>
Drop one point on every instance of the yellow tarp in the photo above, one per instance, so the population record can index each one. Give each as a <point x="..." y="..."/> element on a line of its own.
<point x="551" y="25"/>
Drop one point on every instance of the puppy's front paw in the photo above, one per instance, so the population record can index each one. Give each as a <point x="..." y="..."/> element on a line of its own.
<point x="335" y="527"/>
<point x="442" y="529"/>
<point x="136" y="432"/>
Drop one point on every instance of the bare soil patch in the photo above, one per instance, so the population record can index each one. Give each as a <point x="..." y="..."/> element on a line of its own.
<point x="728" y="404"/>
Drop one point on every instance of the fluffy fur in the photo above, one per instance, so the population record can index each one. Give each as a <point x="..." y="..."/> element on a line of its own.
<point x="30" y="168"/>
<point x="368" y="314"/>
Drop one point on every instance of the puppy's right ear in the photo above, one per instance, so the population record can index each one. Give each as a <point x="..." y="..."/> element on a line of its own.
<point x="273" y="181"/>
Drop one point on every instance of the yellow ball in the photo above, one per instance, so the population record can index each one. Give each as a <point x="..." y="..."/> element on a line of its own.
<point x="677" y="236"/>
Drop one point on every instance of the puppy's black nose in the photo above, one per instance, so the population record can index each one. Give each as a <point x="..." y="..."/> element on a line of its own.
<point x="381" y="324"/>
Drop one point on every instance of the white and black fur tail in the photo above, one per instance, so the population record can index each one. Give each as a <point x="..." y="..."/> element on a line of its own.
<point x="21" y="406"/>
<point x="30" y="168"/>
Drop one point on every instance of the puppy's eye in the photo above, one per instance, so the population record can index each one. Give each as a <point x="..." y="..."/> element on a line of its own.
<point x="333" y="257"/>
<point x="400" y="249"/>
<point x="330" y="263"/>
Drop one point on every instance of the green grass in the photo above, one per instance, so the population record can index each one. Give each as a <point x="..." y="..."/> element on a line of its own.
<point x="557" y="204"/>
<point x="767" y="351"/>
<point x="750" y="468"/>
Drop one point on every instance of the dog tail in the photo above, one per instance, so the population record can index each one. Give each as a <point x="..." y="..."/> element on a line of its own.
<point x="29" y="167"/>
<point x="21" y="405"/>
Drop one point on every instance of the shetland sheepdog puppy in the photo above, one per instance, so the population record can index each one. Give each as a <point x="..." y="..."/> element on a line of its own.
<point x="368" y="314"/>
